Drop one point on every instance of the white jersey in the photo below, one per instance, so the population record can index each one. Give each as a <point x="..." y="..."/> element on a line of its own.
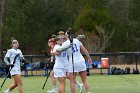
<point x="66" y="44"/>
<point x="11" y="53"/>
<point x="61" y="61"/>
<point x="77" y="56"/>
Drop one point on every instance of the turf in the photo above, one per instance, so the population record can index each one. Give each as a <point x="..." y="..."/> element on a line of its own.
<point x="99" y="84"/>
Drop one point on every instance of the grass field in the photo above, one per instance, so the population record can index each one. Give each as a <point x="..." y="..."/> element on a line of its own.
<point x="99" y="84"/>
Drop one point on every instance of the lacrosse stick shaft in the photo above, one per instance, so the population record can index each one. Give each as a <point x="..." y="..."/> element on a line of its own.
<point x="46" y="79"/>
<point x="9" y="70"/>
<point x="5" y="78"/>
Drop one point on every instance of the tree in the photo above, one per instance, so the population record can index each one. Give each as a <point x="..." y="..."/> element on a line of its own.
<point x="25" y="20"/>
<point x="105" y="37"/>
<point x="98" y="21"/>
<point x="105" y="21"/>
<point x="2" y="3"/>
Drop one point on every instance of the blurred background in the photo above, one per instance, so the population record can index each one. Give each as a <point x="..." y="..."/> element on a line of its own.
<point x="109" y="25"/>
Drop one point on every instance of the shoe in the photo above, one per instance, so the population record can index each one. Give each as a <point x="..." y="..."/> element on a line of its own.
<point x="54" y="90"/>
<point x="6" y="91"/>
<point x="81" y="88"/>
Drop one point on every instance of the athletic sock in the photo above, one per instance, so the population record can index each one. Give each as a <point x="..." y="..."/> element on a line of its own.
<point x="88" y="92"/>
<point x="7" y="90"/>
<point x="77" y="84"/>
<point x="54" y="86"/>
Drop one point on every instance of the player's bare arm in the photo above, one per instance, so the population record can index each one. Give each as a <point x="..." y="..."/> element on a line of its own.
<point x="86" y="53"/>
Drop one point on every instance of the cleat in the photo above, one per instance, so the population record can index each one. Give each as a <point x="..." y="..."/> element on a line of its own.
<point x="54" y="90"/>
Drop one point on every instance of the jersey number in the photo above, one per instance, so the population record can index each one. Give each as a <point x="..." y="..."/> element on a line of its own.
<point x="64" y="54"/>
<point x="74" y="48"/>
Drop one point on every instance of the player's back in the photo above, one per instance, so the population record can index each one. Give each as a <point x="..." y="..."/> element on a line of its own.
<point x="77" y="56"/>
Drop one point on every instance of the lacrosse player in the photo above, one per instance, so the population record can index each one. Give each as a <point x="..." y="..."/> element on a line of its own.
<point x="61" y="64"/>
<point x="64" y="38"/>
<point x="51" y="44"/>
<point x="13" y="58"/>
<point x="77" y="63"/>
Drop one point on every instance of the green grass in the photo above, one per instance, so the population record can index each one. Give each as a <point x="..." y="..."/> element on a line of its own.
<point x="99" y="84"/>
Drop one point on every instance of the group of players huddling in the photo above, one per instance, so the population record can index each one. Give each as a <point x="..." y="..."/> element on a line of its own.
<point x="68" y="62"/>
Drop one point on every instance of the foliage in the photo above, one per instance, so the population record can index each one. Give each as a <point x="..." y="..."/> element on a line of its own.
<point x="33" y="21"/>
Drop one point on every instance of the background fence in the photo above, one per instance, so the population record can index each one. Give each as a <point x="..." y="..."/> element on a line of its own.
<point x="121" y="59"/>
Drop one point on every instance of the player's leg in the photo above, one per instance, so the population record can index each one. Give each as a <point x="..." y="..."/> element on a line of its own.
<point x="77" y="84"/>
<point x="61" y="84"/>
<point x="53" y="81"/>
<point x="18" y="80"/>
<point x="83" y="76"/>
<point x="11" y="87"/>
<point x="72" y="82"/>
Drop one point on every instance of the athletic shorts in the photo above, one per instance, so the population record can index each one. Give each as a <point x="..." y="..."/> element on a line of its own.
<point x="15" y="72"/>
<point x="78" y="67"/>
<point x="60" y="72"/>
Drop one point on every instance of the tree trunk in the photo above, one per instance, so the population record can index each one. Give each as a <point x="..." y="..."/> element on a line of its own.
<point x="2" y="2"/>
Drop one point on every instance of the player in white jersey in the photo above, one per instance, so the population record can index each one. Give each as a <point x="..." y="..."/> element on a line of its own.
<point x="79" y="63"/>
<point x="51" y="44"/>
<point x="64" y="38"/>
<point x="16" y="54"/>
<point x="61" y="64"/>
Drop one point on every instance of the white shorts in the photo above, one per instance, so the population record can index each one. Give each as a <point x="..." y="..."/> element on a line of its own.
<point x="15" y="72"/>
<point x="78" y="67"/>
<point x="60" y="72"/>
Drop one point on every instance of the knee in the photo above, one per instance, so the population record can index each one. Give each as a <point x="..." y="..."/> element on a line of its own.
<point x="18" y="80"/>
<point x="51" y="76"/>
<point x="72" y="81"/>
<point x="14" y="84"/>
<point x="62" y="85"/>
<point x="19" y="84"/>
<point x="85" y="81"/>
